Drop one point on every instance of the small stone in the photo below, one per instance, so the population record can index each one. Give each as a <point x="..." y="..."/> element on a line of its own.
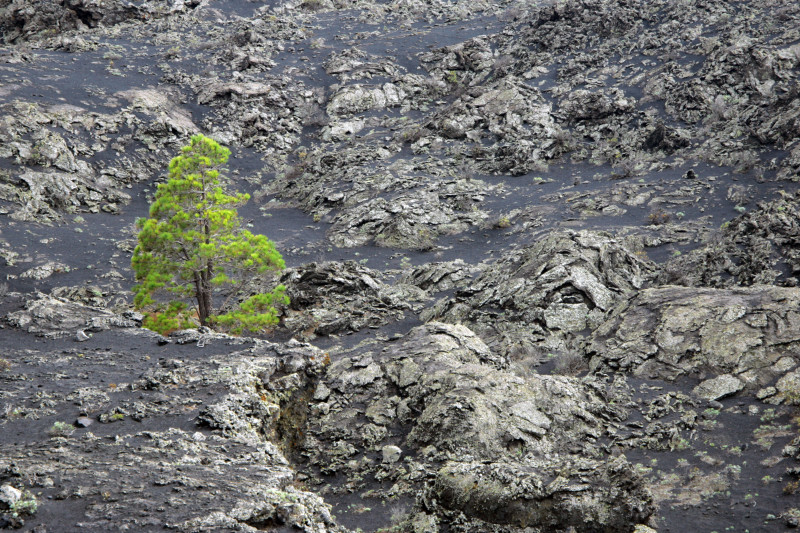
<point x="82" y="336"/>
<point x="322" y="392"/>
<point x="84" y="422"/>
<point x="718" y="387"/>
<point x="391" y="454"/>
<point x="784" y="364"/>
<point x="766" y="392"/>
<point x="789" y="388"/>
<point x="9" y="496"/>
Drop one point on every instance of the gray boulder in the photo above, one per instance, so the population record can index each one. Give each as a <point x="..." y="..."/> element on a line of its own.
<point x="557" y="287"/>
<point x="719" y="387"/>
<point x="584" y="497"/>
<point x="338" y="298"/>
<point x="748" y="333"/>
<point x="492" y="441"/>
<point x="54" y="317"/>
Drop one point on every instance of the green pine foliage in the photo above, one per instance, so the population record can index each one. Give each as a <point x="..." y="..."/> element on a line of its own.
<point x="193" y="246"/>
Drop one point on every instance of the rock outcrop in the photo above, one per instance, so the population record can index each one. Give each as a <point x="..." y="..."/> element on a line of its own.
<point x="748" y="335"/>
<point x="502" y="449"/>
<point x="53" y="317"/>
<point x="222" y="469"/>
<point x="21" y="20"/>
<point x="549" y="291"/>
<point x="339" y="298"/>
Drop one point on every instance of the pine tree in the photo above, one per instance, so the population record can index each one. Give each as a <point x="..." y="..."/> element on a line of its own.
<point x="193" y="245"/>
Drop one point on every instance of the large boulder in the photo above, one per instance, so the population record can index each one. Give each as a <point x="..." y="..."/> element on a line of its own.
<point x="557" y="287"/>
<point x="584" y="497"/>
<point x="338" y="298"/>
<point x="751" y="334"/>
<point x="434" y="404"/>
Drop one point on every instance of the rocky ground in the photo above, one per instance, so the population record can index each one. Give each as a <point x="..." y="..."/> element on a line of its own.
<point x="542" y="262"/>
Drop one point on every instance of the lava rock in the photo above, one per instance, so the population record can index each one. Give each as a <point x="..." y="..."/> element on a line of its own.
<point x="671" y="331"/>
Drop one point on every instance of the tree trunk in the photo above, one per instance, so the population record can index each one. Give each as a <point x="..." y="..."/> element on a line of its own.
<point x="203" y="277"/>
<point x="206" y="295"/>
<point x="203" y="297"/>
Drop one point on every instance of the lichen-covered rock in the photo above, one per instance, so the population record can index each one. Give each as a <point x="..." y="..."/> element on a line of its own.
<point x="471" y="56"/>
<point x="560" y="285"/>
<point x="356" y="98"/>
<point x="44" y="195"/>
<point x="44" y="271"/>
<point x="55" y="149"/>
<point x="719" y="387"/>
<point x="510" y="114"/>
<point x="91" y="296"/>
<point x="788" y="388"/>
<point x="54" y="317"/>
<point x="586" y="496"/>
<point x="372" y="199"/>
<point x="254" y="109"/>
<point x="205" y="471"/>
<point x="336" y="298"/>
<point x="438" y="277"/>
<point x="438" y="395"/>
<point x="240" y="407"/>
<point x="9" y="496"/>
<point x="26" y="19"/>
<point x="586" y="105"/>
<point x="354" y="63"/>
<point x="668" y="332"/>
<point x="411" y="221"/>
<point x="269" y="386"/>
<point x="167" y="114"/>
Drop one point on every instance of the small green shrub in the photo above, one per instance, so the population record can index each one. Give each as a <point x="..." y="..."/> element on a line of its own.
<point x="61" y="429"/>
<point x="26" y="506"/>
<point x="502" y="223"/>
